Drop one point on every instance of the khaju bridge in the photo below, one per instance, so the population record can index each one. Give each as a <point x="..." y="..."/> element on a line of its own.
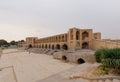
<point x="75" y="38"/>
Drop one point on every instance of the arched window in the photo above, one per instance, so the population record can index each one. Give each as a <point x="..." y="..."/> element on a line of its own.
<point x="77" y="35"/>
<point x="85" y="35"/>
<point x="59" y="38"/>
<point x="71" y="34"/>
<point x="63" y="38"/>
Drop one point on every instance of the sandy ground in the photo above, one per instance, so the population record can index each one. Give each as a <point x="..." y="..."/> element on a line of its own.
<point x="39" y="68"/>
<point x="29" y="67"/>
<point x="6" y="75"/>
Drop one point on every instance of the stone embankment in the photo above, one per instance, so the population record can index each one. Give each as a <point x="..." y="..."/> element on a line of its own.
<point x="79" y="56"/>
<point x="43" y="51"/>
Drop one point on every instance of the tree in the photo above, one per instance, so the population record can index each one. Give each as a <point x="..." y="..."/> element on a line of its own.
<point x="22" y="41"/>
<point x="14" y="43"/>
<point x="3" y="43"/>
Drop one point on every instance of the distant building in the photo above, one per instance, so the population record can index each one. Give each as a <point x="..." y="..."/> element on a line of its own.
<point x="21" y="44"/>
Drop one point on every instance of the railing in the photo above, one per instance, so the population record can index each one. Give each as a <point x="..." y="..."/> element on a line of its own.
<point x="14" y="74"/>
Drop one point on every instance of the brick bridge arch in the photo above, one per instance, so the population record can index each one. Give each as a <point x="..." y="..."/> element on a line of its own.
<point x="76" y="57"/>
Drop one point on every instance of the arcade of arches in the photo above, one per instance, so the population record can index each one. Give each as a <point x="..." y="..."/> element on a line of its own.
<point x="53" y="46"/>
<point x="65" y="41"/>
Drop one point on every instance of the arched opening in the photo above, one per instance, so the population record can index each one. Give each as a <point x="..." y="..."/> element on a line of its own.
<point x="56" y="39"/>
<point x="77" y="35"/>
<point x="71" y="34"/>
<point x="53" y="47"/>
<point x="39" y="46"/>
<point x="46" y="46"/>
<point x="63" y="38"/>
<point x="80" y="61"/>
<point x="66" y="38"/>
<point x="85" y="45"/>
<point x="85" y="35"/>
<point x="42" y="46"/>
<point x="57" y="46"/>
<point x="30" y="46"/>
<point x="64" y="58"/>
<point x="65" y="47"/>
<point x="59" y="38"/>
<point x="49" y="46"/>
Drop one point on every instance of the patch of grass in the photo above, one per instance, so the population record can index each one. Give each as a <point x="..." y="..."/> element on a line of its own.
<point x="101" y="71"/>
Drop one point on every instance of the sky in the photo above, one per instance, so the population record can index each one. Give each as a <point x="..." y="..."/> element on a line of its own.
<point x="41" y="18"/>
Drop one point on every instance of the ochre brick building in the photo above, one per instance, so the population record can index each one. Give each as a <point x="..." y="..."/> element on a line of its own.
<point x="75" y="38"/>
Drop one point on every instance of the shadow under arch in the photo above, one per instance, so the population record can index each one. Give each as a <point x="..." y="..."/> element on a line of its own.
<point x="64" y="58"/>
<point x="65" y="47"/>
<point x="57" y="46"/>
<point x="80" y="61"/>
<point x="30" y="46"/>
<point x="85" y="45"/>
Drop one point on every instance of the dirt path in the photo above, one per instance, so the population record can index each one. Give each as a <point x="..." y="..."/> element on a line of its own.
<point x="32" y="67"/>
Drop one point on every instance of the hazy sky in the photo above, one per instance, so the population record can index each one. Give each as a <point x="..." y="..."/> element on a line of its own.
<point x="22" y="18"/>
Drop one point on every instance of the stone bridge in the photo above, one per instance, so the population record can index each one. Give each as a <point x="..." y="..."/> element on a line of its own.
<point x="80" y="56"/>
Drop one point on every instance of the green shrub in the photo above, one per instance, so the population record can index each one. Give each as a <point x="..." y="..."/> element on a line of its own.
<point x="98" y="55"/>
<point x="110" y="58"/>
